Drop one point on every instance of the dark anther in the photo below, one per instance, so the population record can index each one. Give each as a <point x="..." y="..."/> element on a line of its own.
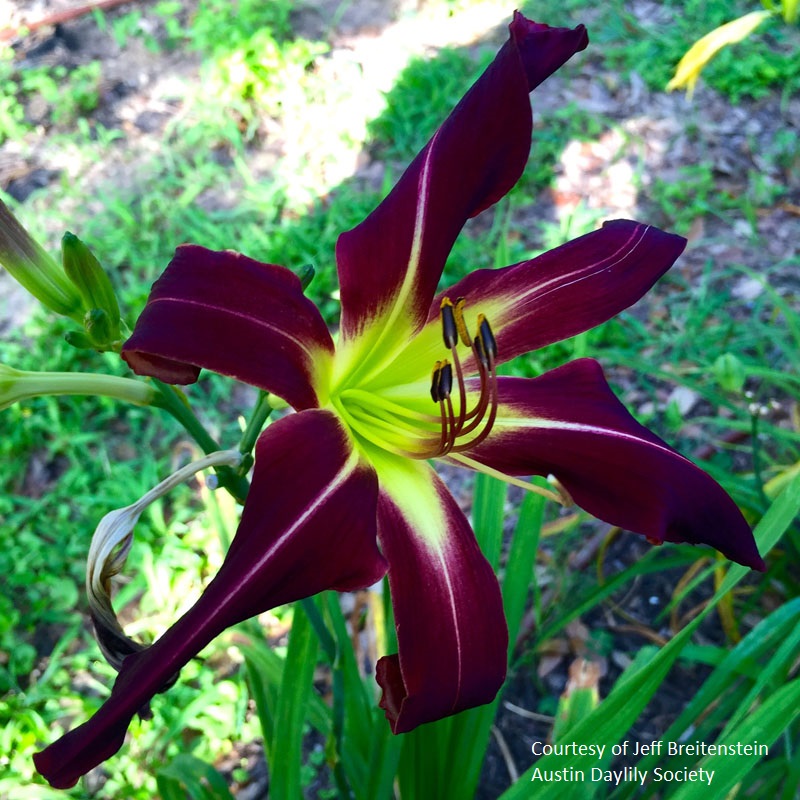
<point x="449" y="329"/>
<point x="445" y="380"/>
<point x="487" y="337"/>
<point x="480" y="351"/>
<point x="436" y="394"/>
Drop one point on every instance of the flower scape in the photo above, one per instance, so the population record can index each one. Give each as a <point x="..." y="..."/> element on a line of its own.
<point x="342" y="492"/>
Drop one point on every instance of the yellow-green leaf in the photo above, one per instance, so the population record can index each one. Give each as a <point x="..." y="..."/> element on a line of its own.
<point x="703" y="50"/>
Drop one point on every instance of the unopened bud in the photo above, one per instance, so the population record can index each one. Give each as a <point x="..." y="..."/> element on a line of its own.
<point x="97" y="293"/>
<point x="730" y="373"/>
<point x="306" y="274"/>
<point x="28" y="263"/>
<point x="100" y="329"/>
<point x="110" y="546"/>
<point x="79" y="340"/>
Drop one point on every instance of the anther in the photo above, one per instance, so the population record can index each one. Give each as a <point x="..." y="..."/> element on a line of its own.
<point x="487" y="337"/>
<point x="460" y="323"/>
<point x="435" y="378"/>
<point x="445" y="380"/>
<point x="455" y="427"/>
<point x="480" y="352"/>
<point x="449" y="329"/>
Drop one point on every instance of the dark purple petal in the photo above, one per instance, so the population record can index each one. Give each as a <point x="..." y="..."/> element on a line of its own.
<point x="222" y="311"/>
<point x="390" y="264"/>
<point x="568" y="423"/>
<point x="568" y="290"/>
<point x="549" y="298"/>
<point x="309" y="524"/>
<point x="451" y="630"/>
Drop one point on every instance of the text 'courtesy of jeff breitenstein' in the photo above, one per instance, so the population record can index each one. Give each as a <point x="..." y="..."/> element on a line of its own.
<point x="626" y="774"/>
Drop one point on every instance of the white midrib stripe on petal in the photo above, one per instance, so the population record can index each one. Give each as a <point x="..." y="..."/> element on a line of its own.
<point x="510" y="424"/>
<point x="454" y="612"/>
<point x="262" y="323"/>
<point x="540" y="290"/>
<point x="336" y="482"/>
<point x="416" y="242"/>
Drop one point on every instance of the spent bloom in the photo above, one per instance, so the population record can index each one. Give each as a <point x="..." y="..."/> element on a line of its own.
<point x="342" y="490"/>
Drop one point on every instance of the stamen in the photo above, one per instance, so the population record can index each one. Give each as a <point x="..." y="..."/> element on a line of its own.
<point x="461" y="325"/>
<point x="435" y="393"/>
<point x="449" y="431"/>
<point x="452" y="327"/>
<point x="566" y="497"/>
<point x="449" y="329"/>
<point x="445" y="380"/>
<point x="487" y="337"/>
<point x="484" y="350"/>
<point x="492" y="403"/>
<point x="529" y="487"/>
<point x="480" y="353"/>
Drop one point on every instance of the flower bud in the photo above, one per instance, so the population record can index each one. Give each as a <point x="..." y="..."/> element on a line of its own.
<point x="99" y="327"/>
<point x="306" y="274"/>
<point x="79" y="340"/>
<point x="97" y="293"/>
<point x="30" y="266"/>
<point x="110" y="546"/>
<point x="730" y="373"/>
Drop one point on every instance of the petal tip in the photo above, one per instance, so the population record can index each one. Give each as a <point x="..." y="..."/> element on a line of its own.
<point x="544" y="48"/>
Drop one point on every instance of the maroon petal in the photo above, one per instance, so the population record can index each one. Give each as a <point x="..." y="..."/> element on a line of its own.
<point x="390" y="264"/>
<point x="308" y="525"/>
<point x="228" y="313"/>
<point x="568" y="423"/>
<point x="549" y="298"/>
<point x="451" y="630"/>
<point x="567" y="290"/>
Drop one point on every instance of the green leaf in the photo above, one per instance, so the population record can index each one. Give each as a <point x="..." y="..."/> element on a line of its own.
<point x="199" y="779"/>
<point x="287" y="740"/>
<point x="94" y="286"/>
<point x="265" y="669"/>
<point x="763" y="725"/>
<point x="488" y="506"/>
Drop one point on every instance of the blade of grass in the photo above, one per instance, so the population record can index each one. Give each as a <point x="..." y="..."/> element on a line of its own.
<point x="488" y="506"/>
<point x="290" y="714"/>
<point x="742" y="662"/>
<point x="763" y="725"/>
<point x="201" y="780"/>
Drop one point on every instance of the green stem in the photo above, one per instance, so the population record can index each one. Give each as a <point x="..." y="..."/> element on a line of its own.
<point x="174" y="401"/>
<point x="255" y="424"/>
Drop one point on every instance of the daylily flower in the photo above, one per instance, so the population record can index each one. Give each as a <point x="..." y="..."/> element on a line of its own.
<point x="411" y="378"/>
